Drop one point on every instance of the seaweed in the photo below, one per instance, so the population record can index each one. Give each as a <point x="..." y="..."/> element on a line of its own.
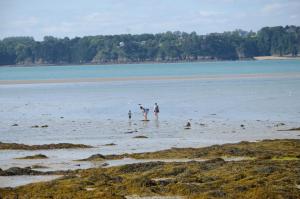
<point x="215" y="178"/>
<point x="16" y="146"/>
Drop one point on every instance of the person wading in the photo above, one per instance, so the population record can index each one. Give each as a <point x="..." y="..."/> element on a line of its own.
<point x="145" y="112"/>
<point x="156" y="110"/>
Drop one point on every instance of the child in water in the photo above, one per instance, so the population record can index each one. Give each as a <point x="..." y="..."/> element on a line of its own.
<point x="129" y="114"/>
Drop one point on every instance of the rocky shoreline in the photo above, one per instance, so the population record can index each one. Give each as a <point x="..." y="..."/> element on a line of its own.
<point x="266" y="149"/>
<point x="272" y="171"/>
<point x="16" y="146"/>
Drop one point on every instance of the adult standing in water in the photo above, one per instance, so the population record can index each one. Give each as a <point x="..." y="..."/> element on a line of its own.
<point x="156" y="110"/>
<point x="145" y="112"/>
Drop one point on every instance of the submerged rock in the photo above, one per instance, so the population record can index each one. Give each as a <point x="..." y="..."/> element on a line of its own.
<point x="96" y="157"/>
<point x="294" y="129"/>
<point x="37" y="166"/>
<point x="140" y="136"/>
<point x="110" y="144"/>
<point x="129" y="132"/>
<point x="37" y="156"/>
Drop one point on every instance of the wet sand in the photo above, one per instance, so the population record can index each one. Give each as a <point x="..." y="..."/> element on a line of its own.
<point x="151" y="78"/>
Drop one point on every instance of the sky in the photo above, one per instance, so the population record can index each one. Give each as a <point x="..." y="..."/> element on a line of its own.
<point x="71" y="18"/>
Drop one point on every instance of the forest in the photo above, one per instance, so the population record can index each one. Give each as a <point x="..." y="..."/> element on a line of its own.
<point x="161" y="47"/>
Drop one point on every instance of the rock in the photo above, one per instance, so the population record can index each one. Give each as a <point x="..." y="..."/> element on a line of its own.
<point x="105" y="164"/>
<point x="264" y="157"/>
<point x="110" y="144"/>
<point x="188" y="125"/>
<point x="95" y="157"/>
<point x="98" y="156"/>
<point x="19" y="171"/>
<point x="15" y="125"/>
<point x="37" y="156"/>
<point x="163" y="181"/>
<point x="140" y="136"/>
<point x="279" y="124"/>
<point x="140" y="167"/>
<point x="266" y="169"/>
<point x="36" y="166"/>
<point x="216" y="160"/>
<point x="242" y="188"/>
<point x="218" y="193"/>
<point x="16" y="146"/>
<point x="294" y="129"/>
<point x="129" y="132"/>
<point x="242" y="125"/>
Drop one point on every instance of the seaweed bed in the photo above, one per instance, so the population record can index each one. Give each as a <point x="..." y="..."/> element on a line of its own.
<point x="265" y="149"/>
<point x="16" y="146"/>
<point x="37" y="156"/>
<point x="274" y="172"/>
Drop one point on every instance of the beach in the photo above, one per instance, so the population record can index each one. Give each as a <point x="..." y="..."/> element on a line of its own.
<point x="277" y="58"/>
<point x="90" y="109"/>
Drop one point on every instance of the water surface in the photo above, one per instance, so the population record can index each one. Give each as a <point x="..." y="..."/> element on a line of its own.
<point x="95" y="113"/>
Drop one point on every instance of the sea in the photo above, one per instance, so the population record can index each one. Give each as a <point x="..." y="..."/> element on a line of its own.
<point x="225" y="102"/>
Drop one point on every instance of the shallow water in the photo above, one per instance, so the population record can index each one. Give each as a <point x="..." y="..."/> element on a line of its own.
<point x="14" y="181"/>
<point x="143" y="70"/>
<point x="96" y="113"/>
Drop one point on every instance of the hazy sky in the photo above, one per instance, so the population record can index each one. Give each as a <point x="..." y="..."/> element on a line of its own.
<point x="72" y="18"/>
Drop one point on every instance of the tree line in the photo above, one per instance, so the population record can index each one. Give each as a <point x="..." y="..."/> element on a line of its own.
<point x="162" y="47"/>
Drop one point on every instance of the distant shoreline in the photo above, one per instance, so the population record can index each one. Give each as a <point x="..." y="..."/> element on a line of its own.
<point x="258" y="58"/>
<point x="276" y="58"/>
<point x="153" y="78"/>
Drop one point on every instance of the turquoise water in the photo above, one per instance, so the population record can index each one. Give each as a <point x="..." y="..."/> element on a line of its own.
<point x="138" y="70"/>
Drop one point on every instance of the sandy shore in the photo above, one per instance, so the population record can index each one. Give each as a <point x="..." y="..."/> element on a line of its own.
<point x="276" y="58"/>
<point x="151" y="78"/>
